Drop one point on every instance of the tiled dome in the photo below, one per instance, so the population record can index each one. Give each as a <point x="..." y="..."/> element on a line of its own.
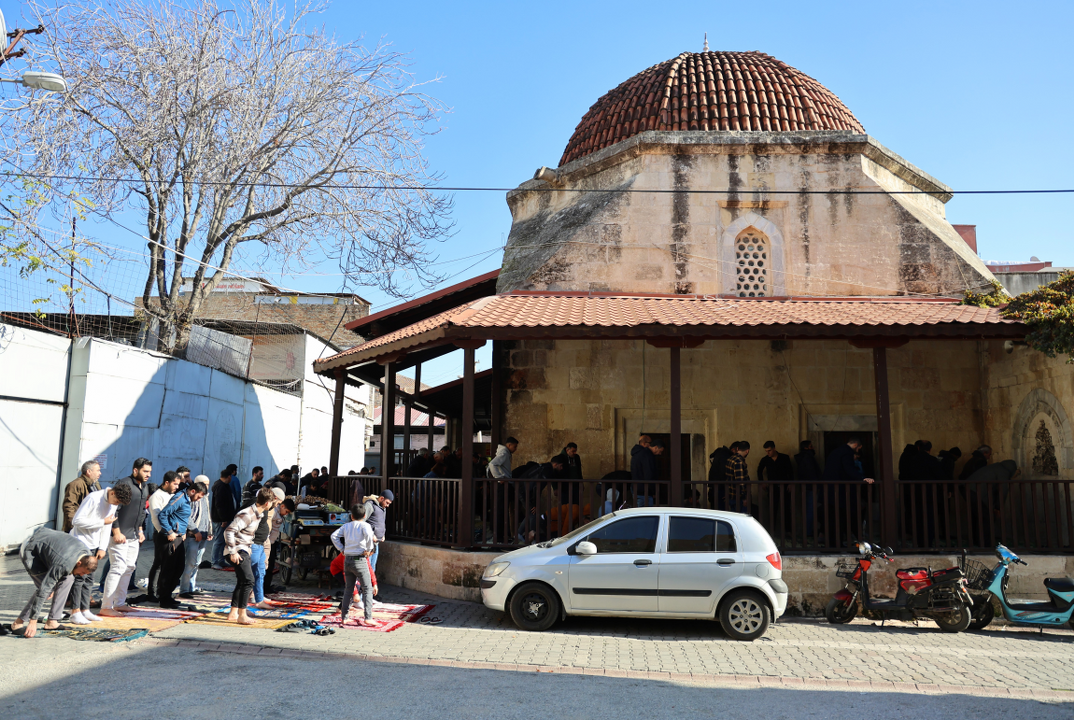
<point x="710" y="91"/>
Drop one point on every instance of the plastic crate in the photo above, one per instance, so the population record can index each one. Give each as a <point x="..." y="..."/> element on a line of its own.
<point x="845" y="569"/>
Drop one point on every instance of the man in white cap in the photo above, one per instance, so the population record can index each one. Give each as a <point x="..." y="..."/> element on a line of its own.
<point x="260" y="549"/>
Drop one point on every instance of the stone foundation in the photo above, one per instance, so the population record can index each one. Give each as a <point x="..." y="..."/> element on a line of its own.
<point x="448" y="573"/>
<point x="455" y="574"/>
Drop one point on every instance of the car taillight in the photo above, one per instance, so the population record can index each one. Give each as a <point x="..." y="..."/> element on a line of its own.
<point x="776" y="560"/>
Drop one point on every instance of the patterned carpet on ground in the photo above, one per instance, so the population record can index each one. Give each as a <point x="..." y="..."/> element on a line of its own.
<point x="391" y="616"/>
<point x="95" y="633"/>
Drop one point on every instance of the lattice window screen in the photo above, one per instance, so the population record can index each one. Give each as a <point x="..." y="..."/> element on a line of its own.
<point x="751" y="264"/>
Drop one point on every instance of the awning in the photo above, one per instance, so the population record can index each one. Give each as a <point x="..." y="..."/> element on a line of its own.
<point x="689" y="319"/>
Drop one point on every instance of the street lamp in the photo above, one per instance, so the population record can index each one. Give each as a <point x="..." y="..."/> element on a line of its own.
<point x="41" y="81"/>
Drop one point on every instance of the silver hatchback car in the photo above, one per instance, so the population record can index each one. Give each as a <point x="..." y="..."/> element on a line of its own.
<point x="646" y="562"/>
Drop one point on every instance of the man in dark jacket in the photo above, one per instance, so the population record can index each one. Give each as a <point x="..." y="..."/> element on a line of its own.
<point x="573" y="461"/>
<point x="644" y="466"/>
<point x="49" y="556"/>
<point x="717" y="474"/>
<point x="979" y="459"/>
<point x="77" y="490"/>
<point x="808" y="475"/>
<point x="775" y="467"/>
<point x="420" y="465"/>
<point x="841" y="468"/>
<point x="249" y="490"/>
<point x="222" y="509"/>
<point x="908" y="463"/>
<point x="127" y="536"/>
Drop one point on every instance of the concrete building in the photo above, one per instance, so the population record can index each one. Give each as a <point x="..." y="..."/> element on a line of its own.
<point x="323" y="314"/>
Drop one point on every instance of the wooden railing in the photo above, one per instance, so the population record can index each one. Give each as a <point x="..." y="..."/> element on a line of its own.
<point x="1025" y="515"/>
<point x="937" y="516"/>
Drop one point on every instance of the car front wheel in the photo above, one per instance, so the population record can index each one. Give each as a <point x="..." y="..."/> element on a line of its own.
<point x="535" y="607"/>
<point x="744" y="615"/>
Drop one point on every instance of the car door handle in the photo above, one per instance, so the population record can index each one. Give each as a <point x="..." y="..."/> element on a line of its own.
<point x="725" y="562"/>
<point x="643" y="563"/>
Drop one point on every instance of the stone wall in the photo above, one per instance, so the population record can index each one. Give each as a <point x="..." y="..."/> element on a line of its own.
<point x="601" y="394"/>
<point x="1025" y="391"/>
<point x="597" y="229"/>
<point x="320" y="319"/>
<point x="437" y="571"/>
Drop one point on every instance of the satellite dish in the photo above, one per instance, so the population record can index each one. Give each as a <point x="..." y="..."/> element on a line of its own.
<point x="1034" y="259"/>
<point x="3" y="34"/>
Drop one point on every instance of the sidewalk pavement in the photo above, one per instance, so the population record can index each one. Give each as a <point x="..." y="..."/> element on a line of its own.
<point x="862" y="656"/>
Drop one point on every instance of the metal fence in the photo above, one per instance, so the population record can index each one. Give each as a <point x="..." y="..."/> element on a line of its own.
<point x="1032" y="516"/>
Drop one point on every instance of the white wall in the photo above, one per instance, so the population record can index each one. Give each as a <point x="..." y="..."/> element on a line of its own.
<point x="126" y="403"/>
<point x="33" y="367"/>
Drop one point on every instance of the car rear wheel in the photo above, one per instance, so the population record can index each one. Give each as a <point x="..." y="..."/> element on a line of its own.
<point x="535" y="607"/>
<point x="744" y="615"/>
<point x="840" y="612"/>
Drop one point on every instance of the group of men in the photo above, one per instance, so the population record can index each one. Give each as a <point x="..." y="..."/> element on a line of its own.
<point x="98" y="523"/>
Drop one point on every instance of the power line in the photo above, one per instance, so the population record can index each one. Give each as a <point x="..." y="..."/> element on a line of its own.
<point x="624" y="191"/>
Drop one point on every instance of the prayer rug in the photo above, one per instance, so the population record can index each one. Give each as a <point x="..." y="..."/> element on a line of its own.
<point x="386" y="624"/>
<point x="95" y="633"/>
<point x="139" y="619"/>
<point x="220" y="619"/>
<point x="392" y="611"/>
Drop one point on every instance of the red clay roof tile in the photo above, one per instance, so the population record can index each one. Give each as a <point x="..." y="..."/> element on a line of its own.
<point x="686" y="315"/>
<point x="734" y="91"/>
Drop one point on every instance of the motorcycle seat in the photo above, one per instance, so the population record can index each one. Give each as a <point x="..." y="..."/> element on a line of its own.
<point x="1062" y="585"/>
<point x="912" y="574"/>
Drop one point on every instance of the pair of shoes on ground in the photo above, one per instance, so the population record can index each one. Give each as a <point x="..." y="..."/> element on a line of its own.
<point x="190" y="595"/>
<point x="426" y="620"/>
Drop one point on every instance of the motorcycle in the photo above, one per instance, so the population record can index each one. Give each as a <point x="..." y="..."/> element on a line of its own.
<point x="940" y="595"/>
<point x="985" y="583"/>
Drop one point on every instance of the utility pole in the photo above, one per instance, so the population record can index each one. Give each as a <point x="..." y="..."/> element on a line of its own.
<point x="16" y="37"/>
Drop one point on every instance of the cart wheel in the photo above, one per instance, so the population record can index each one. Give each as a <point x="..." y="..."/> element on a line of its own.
<point x="284" y="560"/>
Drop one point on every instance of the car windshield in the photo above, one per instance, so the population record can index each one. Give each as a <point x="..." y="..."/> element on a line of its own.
<point x="577" y="532"/>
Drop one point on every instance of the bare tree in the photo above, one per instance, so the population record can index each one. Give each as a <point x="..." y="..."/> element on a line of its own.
<point x="233" y="127"/>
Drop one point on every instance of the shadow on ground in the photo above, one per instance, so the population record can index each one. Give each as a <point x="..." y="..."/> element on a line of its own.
<point x="50" y="681"/>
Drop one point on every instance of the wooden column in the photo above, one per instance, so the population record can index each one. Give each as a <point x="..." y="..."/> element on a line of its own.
<point x="407" y="419"/>
<point x="387" y="422"/>
<point x="337" y="421"/>
<point x="676" y="427"/>
<point x="497" y="398"/>
<point x="466" y="430"/>
<point x="432" y="430"/>
<point x="885" y="463"/>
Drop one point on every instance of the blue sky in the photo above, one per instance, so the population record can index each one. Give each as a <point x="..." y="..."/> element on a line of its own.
<point x="977" y="94"/>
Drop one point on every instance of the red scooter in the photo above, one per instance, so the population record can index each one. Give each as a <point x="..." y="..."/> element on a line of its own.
<point x="940" y="595"/>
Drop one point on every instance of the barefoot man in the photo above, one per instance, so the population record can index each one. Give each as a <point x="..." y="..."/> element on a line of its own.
<point x="49" y="557"/>
<point x="238" y="540"/>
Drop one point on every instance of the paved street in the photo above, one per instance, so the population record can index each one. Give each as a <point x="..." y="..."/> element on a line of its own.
<point x="825" y="668"/>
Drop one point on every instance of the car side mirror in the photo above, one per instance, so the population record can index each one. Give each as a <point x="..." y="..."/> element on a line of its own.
<point x="586" y="548"/>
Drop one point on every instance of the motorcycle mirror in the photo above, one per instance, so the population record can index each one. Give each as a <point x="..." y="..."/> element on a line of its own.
<point x="887" y="551"/>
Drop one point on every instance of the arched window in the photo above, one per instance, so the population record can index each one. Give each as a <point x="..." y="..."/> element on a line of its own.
<point x="751" y="264"/>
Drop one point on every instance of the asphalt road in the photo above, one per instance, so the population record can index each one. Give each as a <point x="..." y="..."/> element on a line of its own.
<point x="58" y="678"/>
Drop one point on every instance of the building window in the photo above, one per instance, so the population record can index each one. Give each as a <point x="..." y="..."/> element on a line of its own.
<point x="751" y="264"/>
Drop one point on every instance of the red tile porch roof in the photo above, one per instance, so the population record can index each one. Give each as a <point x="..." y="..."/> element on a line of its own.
<point x="522" y="315"/>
